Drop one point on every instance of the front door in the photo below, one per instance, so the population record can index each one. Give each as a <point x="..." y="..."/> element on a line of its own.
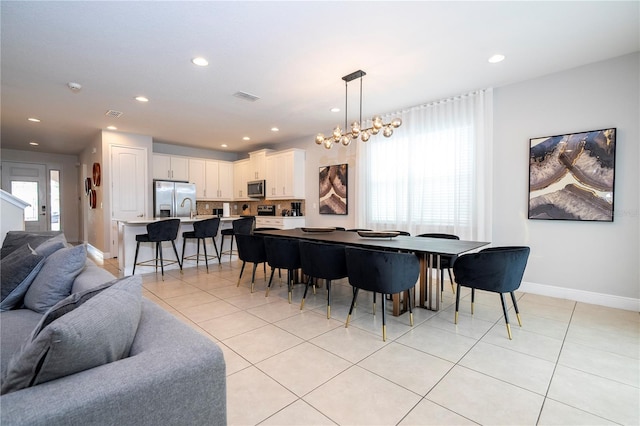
<point x="29" y="183"/>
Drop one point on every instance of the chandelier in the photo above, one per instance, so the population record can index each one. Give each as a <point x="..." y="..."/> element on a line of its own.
<point x="356" y="131"/>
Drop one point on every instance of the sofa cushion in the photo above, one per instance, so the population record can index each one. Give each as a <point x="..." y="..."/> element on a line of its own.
<point x="55" y="280"/>
<point x="15" y="328"/>
<point x="52" y="245"/>
<point x="96" y="332"/>
<point x="16" y="239"/>
<point x="19" y="270"/>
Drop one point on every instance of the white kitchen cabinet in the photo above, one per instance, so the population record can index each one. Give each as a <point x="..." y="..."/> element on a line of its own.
<point x="284" y="222"/>
<point x="241" y="170"/>
<point x="197" y="176"/>
<point x="213" y="179"/>
<point x="286" y="175"/>
<point x="170" y="167"/>
<point x="258" y="165"/>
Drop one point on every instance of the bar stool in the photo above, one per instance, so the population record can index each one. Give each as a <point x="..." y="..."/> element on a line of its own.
<point x="158" y="232"/>
<point x="202" y="230"/>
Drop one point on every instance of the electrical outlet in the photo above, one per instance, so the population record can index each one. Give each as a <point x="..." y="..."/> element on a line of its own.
<point x="206" y="206"/>
<point x="278" y="206"/>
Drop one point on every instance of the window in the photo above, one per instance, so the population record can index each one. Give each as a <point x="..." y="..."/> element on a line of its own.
<point x="424" y="178"/>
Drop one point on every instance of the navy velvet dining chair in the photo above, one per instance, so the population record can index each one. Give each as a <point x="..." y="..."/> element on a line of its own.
<point x="250" y="249"/>
<point x="384" y="272"/>
<point x="282" y="253"/>
<point x="446" y="261"/>
<point x="496" y="269"/>
<point x="323" y="261"/>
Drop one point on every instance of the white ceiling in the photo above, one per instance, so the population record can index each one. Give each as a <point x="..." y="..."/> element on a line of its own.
<point x="290" y="54"/>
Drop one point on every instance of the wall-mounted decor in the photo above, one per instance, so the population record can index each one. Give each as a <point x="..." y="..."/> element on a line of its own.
<point x="333" y="189"/>
<point x="87" y="185"/>
<point x="571" y="177"/>
<point x="96" y="174"/>
<point x="92" y="199"/>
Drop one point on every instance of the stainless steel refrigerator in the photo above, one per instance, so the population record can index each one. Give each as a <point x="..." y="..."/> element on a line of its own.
<point x="173" y="199"/>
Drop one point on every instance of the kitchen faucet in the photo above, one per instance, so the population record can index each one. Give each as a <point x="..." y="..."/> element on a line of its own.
<point x="191" y="211"/>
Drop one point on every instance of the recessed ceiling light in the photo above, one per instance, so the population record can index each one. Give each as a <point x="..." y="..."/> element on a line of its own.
<point x="246" y="138"/>
<point x="35" y="120"/>
<point x="112" y="128"/>
<point x="34" y="143"/>
<point x="496" y="58"/>
<point x="275" y="129"/>
<point x="335" y="109"/>
<point x="200" y="61"/>
<point x="141" y="99"/>
<point x="224" y="145"/>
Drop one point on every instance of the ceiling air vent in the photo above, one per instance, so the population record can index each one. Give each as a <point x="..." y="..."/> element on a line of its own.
<point x="114" y="114"/>
<point x="246" y="96"/>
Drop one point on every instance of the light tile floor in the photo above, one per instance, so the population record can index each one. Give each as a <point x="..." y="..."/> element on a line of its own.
<point x="570" y="364"/>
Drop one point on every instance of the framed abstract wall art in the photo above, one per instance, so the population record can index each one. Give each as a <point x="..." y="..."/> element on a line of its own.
<point x="334" y="189"/>
<point x="571" y="177"/>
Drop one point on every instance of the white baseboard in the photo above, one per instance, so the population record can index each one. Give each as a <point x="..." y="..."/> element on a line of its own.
<point x="618" y="302"/>
<point x="97" y="253"/>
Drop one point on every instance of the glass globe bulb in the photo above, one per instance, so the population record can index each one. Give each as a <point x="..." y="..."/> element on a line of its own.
<point x="337" y="132"/>
<point x="345" y="140"/>
<point x="319" y="138"/>
<point x="396" y="122"/>
<point x="328" y="143"/>
<point x="388" y="131"/>
<point x="355" y="126"/>
<point x="377" y="122"/>
<point x="374" y="131"/>
<point x="365" y="136"/>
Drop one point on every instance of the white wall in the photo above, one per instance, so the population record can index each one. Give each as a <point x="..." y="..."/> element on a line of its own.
<point x="588" y="261"/>
<point x="579" y="259"/>
<point x="100" y="228"/>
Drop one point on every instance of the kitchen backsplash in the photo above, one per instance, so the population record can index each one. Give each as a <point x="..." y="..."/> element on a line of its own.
<point x="206" y="207"/>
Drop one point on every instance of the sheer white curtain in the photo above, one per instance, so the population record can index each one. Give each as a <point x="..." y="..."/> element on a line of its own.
<point x="434" y="173"/>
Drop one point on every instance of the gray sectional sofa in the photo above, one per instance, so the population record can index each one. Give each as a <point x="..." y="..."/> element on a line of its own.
<point x="167" y="374"/>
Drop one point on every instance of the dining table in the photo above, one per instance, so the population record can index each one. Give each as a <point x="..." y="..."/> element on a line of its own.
<point x="429" y="250"/>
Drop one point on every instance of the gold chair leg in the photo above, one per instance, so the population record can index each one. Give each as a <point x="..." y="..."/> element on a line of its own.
<point x="453" y="288"/>
<point x="411" y="319"/>
<point x="328" y="311"/>
<point x="472" y="308"/>
<point x="509" y="331"/>
<point x="519" y="320"/>
<point x="384" y="333"/>
<point x="252" y="286"/>
<point x="346" y="324"/>
<point x="266" y="293"/>
<point x="455" y="321"/>
<point x="302" y="304"/>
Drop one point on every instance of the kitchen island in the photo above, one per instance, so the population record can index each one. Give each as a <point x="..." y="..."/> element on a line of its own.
<point x="128" y="229"/>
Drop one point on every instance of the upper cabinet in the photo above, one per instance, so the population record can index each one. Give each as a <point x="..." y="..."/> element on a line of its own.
<point x="213" y="179"/>
<point x="241" y="173"/>
<point x="286" y="174"/>
<point x="170" y="167"/>
<point x="258" y="165"/>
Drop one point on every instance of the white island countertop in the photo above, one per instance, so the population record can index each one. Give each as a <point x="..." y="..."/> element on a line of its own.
<point x="146" y="220"/>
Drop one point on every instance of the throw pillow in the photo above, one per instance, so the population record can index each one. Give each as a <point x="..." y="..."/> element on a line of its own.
<point x="16" y="239"/>
<point x="19" y="269"/>
<point x="99" y="331"/>
<point x="52" y="245"/>
<point x="55" y="280"/>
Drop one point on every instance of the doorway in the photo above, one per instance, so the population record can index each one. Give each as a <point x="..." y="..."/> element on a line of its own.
<point x="29" y="182"/>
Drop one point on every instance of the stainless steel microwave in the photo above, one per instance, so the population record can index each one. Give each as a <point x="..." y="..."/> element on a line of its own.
<point x="256" y="188"/>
